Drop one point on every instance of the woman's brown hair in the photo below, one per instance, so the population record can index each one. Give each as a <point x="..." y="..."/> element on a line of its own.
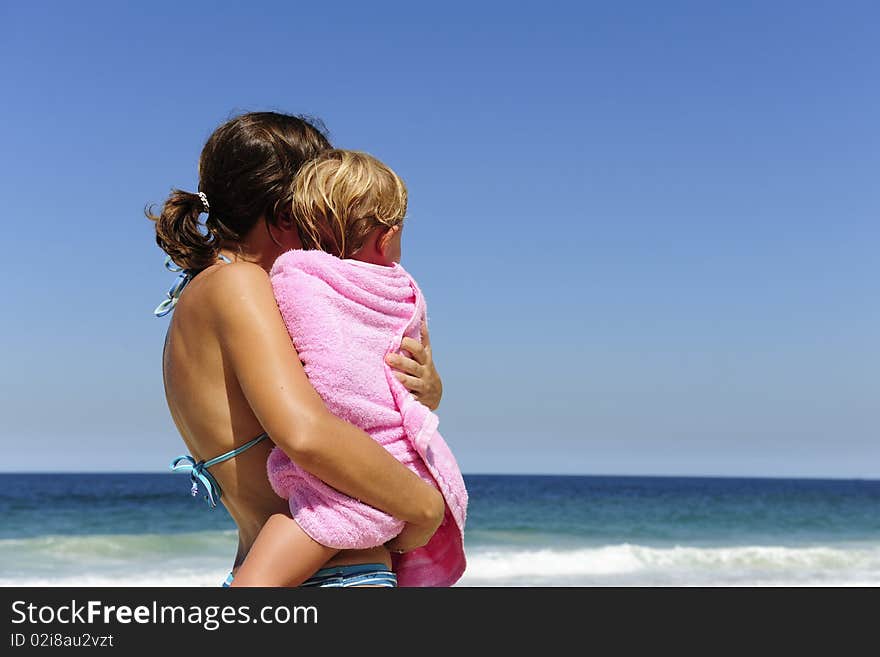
<point x="246" y="172"/>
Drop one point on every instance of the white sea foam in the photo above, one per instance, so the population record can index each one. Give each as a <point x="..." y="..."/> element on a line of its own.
<point x="192" y="559"/>
<point x="136" y="579"/>
<point x="202" y="559"/>
<point x="626" y="564"/>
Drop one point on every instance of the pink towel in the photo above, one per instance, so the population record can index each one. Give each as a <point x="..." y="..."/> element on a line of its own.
<point x="344" y="316"/>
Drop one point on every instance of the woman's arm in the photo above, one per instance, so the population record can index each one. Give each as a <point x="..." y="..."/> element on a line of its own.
<point x="260" y="353"/>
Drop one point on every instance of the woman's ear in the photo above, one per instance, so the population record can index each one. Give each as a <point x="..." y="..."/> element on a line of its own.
<point x="286" y="230"/>
<point x="285" y="220"/>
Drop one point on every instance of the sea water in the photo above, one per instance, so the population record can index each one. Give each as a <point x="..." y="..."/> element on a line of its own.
<point x="527" y="530"/>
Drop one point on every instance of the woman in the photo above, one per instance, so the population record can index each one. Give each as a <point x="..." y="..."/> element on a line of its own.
<point x="230" y="370"/>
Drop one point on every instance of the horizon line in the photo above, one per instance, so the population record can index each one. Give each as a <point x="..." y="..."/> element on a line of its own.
<point x="501" y="474"/>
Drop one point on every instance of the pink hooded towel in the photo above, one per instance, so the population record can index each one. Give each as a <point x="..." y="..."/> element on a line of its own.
<point x="344" y="316"/>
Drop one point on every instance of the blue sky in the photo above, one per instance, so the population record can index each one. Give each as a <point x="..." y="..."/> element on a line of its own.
<point x="647" y="232"/>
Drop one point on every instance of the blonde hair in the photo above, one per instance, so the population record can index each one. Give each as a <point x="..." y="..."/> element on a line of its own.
<point x="340" y="196"/>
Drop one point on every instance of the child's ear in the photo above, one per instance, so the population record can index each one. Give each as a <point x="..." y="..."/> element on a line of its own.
<point x="385" y="238"/>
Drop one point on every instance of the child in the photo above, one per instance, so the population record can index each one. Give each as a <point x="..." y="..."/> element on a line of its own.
<point x="344" y="315"/>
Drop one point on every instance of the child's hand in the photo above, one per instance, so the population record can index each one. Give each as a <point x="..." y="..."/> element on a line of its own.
<point x="418" y="373"/>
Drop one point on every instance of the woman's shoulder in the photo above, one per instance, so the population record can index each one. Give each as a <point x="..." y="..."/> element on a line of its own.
<point x="232" y="285"/>
<point x="236" y="276"/>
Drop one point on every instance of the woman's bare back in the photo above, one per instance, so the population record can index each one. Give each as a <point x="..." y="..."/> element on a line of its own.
<point x="213" y="415"/>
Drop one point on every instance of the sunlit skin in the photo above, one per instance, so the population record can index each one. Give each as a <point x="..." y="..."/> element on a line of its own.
<point x="283" y="554"/>
<point x="231" y="372"/>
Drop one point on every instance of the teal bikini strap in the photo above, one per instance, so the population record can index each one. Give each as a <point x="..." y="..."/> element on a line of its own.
<point x="198" y="472"/>
<point x="186" y="275"/>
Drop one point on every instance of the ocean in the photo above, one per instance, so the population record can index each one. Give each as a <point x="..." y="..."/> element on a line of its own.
<point x="527" y="530"/>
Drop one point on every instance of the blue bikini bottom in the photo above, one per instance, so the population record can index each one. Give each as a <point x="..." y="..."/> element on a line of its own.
<point x="362" y="574"/>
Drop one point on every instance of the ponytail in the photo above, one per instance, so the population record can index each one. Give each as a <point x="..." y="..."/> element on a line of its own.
<point x="179" y="233"/>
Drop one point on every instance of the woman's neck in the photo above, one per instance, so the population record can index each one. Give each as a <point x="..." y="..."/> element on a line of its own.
<point x="259" y="248"/>
<point x="244" y="254"/>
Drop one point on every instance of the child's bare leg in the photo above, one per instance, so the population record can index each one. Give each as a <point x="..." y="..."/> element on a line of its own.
<point x="282" y="555"/>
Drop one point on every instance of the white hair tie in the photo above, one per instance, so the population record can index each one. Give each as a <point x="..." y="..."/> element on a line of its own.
<point x="205" y="202"/>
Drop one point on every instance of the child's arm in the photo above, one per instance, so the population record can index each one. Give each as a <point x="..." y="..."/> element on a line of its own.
<point x="282" y="555"/>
